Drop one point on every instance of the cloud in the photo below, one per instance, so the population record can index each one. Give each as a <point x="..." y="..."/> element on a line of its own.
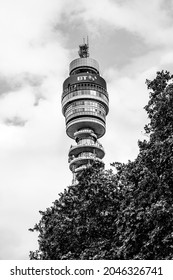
<point x="6" y="86"/>
<point x="33" y="62"/>
<point x="16" y="121"/>
<point x="32" y="58"/>
<point x="152" y="22"/>
<point x="126" y="119"/>
<point x="10" y="237"/>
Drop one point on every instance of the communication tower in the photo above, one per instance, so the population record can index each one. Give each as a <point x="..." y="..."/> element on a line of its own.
<point x="85" y="104"/>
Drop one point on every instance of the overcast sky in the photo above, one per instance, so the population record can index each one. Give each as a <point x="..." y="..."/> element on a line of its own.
<point x="131" y="40"/>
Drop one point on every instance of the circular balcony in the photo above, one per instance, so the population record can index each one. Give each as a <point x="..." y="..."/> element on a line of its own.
<point x="82" y="167"/>
<point x="82" y="161"/>
<point x="85" y="114"/>
<point x="97" y="125"/>
<point x="84" y="133"/>
<point x="95" y="148"/>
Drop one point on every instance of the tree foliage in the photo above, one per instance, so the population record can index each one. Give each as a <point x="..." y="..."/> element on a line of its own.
<point x="127" y="214"/>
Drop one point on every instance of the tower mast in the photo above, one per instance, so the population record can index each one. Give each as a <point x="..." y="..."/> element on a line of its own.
<point x="85" y="104"/>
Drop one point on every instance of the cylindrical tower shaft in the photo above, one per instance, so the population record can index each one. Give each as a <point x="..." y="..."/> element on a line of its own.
<point x="85" y="104"/>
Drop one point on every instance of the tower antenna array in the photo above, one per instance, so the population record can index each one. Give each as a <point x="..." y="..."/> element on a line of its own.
<point x="84" y="49"/>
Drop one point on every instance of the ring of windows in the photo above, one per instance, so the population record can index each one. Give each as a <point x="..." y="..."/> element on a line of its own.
<point x="100" y="111"/>
<point x="84" y="103"/>
<point x="85" y="92"/>
<point x="84" y="86"/>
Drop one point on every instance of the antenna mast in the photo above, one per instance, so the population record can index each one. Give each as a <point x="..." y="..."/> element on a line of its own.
<point x="84" y="49"/>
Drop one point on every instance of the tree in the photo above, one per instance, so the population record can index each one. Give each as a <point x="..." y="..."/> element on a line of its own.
<point x="123" y="215"/>
<point x="148" y="212"/>
<point x="79" y="224"/>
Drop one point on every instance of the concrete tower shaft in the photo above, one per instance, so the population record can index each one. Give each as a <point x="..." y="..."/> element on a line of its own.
<point x="85" y="104"/>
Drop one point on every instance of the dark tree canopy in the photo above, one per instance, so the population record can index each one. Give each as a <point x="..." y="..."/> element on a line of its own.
<point x="123" y="215"/>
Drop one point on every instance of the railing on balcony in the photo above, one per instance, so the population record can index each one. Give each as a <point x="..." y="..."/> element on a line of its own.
<point x="85" y="114"/>
<point x="73" y="159"/>
<point x="96" y="144"/>
<point x="89" y="131"/>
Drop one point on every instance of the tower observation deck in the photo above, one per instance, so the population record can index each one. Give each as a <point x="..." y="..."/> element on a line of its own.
<point x="85" y="104"/>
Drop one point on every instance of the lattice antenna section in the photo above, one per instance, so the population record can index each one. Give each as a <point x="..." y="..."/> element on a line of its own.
<point x="84" y="49"/>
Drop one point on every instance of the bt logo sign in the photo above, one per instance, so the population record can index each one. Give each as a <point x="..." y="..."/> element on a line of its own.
<point x="84" y="78"/>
